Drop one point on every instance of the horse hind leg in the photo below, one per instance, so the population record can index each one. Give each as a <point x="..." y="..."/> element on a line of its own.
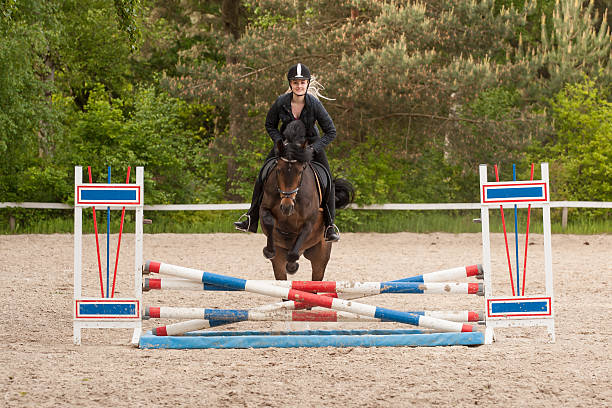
<point x="318" y="256"/>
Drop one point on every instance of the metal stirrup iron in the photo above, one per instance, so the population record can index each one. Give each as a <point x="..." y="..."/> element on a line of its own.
<point x="336" y="230"/>
<point x="248" y="216"/>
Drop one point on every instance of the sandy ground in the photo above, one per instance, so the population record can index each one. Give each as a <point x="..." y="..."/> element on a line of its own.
<point x="42" y="368"/>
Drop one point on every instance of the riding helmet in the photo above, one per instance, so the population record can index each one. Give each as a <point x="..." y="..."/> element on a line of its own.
<point x="298" y="71"/>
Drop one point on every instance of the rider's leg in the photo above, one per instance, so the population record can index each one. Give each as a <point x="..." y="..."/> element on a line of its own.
<point x="252" y="215"/>
<point x="332" y="233"/>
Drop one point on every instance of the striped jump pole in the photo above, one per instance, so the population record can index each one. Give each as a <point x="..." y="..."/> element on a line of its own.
<point x="207" y="318"/>
<point x="241" y="315"/>
<point x="200" y="324"/>
<point x="437" y="276"/>
<point x="447" y="274"/>
<point x="310" y="298"/>
<point x="341" y="287"/>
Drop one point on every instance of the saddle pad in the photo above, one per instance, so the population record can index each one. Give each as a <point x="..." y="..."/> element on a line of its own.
<point x="267" y="167"/>
<point x="324" y="177"/>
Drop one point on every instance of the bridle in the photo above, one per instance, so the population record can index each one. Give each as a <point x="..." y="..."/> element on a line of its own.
<point x="289" y="194"/>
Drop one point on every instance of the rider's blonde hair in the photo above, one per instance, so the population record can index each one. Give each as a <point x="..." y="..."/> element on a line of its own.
<point x="315" y="89"/>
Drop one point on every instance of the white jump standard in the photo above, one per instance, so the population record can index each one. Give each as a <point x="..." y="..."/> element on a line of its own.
<point x="107" y="312"/>
<point x="517" y="311"/>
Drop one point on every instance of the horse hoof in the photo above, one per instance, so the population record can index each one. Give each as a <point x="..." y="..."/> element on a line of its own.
<point x="292" y="257"/>
<point x="292" y="267"/>
<point x="269" y="253"/>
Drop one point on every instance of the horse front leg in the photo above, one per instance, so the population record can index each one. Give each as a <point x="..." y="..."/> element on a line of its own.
<point x="294" y="253"/>
<point x="267" y="224"/>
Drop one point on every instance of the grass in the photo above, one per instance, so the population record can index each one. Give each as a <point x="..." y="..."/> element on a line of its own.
<point x="193" y="222"/>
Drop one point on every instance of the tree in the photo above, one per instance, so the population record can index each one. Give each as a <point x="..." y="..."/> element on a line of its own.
<point x="414" y="73"/>
<point x="573" y="48"/>
<point x="23" y="92"/>
<point x="581" y="152"/>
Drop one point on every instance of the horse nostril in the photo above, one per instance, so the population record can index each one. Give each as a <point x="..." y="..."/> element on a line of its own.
<point x="286" y="209"/>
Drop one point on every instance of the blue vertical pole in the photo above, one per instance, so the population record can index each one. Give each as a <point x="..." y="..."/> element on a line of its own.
<point x="518" y="291"/>
<point x="108" y="238"/>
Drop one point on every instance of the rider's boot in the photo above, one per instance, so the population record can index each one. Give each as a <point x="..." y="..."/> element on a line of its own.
<point x="332" y="233"/>
<point x="245" y="225"/>
<point x="252" y="216"/>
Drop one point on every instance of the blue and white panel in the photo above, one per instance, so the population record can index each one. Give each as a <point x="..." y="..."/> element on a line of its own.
<point x="107" y="309"/>
<point x="124" y="195"/>
<point x="515" y="192"/>
<point x="519" y="307"/>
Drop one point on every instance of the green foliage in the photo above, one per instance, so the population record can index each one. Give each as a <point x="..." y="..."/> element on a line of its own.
<point x="266" y="17"/>
<point x="91" y="50"/>
<point x="152" y="129"/>
<point x="248" y="162"/>
<point x="575" y="46"/>
<point x="581" y="154"/>
<point x="126" y="16"/>
<point x="422" y="93"/>
<point x="380" y="174"/>
<point x="26" y="118"/>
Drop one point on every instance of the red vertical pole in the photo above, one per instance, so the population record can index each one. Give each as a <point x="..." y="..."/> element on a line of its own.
<point x="501" y="208"/>
<point x="127" y="181"/>
<point x="526" y="239"/>
<point x="97" y="242"/>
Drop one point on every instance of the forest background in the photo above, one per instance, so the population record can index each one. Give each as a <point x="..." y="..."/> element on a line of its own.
<point x="421" y="93"/>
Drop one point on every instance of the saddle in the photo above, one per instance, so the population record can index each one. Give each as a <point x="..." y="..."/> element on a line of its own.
<point x="267" y="167"/>
<point x="324" y="181"/>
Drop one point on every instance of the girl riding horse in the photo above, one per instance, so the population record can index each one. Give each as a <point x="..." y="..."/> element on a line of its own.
<point x="296" y="104"/>
<point x="290" y="209"/>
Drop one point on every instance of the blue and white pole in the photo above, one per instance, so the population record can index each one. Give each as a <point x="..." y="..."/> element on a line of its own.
<point x="310" y="298"/>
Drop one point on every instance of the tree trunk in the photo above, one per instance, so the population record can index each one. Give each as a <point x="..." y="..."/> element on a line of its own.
<point x="44" y="144"/>
<point x="230" y="14"/>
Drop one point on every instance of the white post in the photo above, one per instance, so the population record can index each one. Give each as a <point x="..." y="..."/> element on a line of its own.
<point x="486" y="248"/>
<point x="138" y="251"/>
<point x="78" y="245"/>
<point x="548" y="253"/>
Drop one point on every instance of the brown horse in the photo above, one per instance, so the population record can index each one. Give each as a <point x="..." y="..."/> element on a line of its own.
<point x="290" y="213"/>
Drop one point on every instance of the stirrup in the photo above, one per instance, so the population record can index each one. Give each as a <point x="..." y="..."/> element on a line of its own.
<point x="238" y="223"/>
<point x="336" y="230"/>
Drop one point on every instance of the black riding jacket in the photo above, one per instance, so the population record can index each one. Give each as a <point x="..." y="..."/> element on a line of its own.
<point x="313" y="112"/>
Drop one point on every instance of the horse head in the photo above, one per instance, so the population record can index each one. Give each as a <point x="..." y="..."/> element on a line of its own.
<point x="293" y="160"/>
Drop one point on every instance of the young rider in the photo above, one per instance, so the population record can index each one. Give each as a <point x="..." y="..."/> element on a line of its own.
<point x="298" y="103"/>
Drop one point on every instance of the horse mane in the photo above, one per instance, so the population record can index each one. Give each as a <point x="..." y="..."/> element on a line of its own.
<point x="297" y="152"/>
<point x="294" y="145"/>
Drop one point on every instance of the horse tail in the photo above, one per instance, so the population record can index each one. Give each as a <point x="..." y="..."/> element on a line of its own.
<point x="345" y="193"/>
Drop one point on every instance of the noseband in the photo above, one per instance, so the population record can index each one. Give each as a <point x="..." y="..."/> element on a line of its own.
<point x="288" y="194"/>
